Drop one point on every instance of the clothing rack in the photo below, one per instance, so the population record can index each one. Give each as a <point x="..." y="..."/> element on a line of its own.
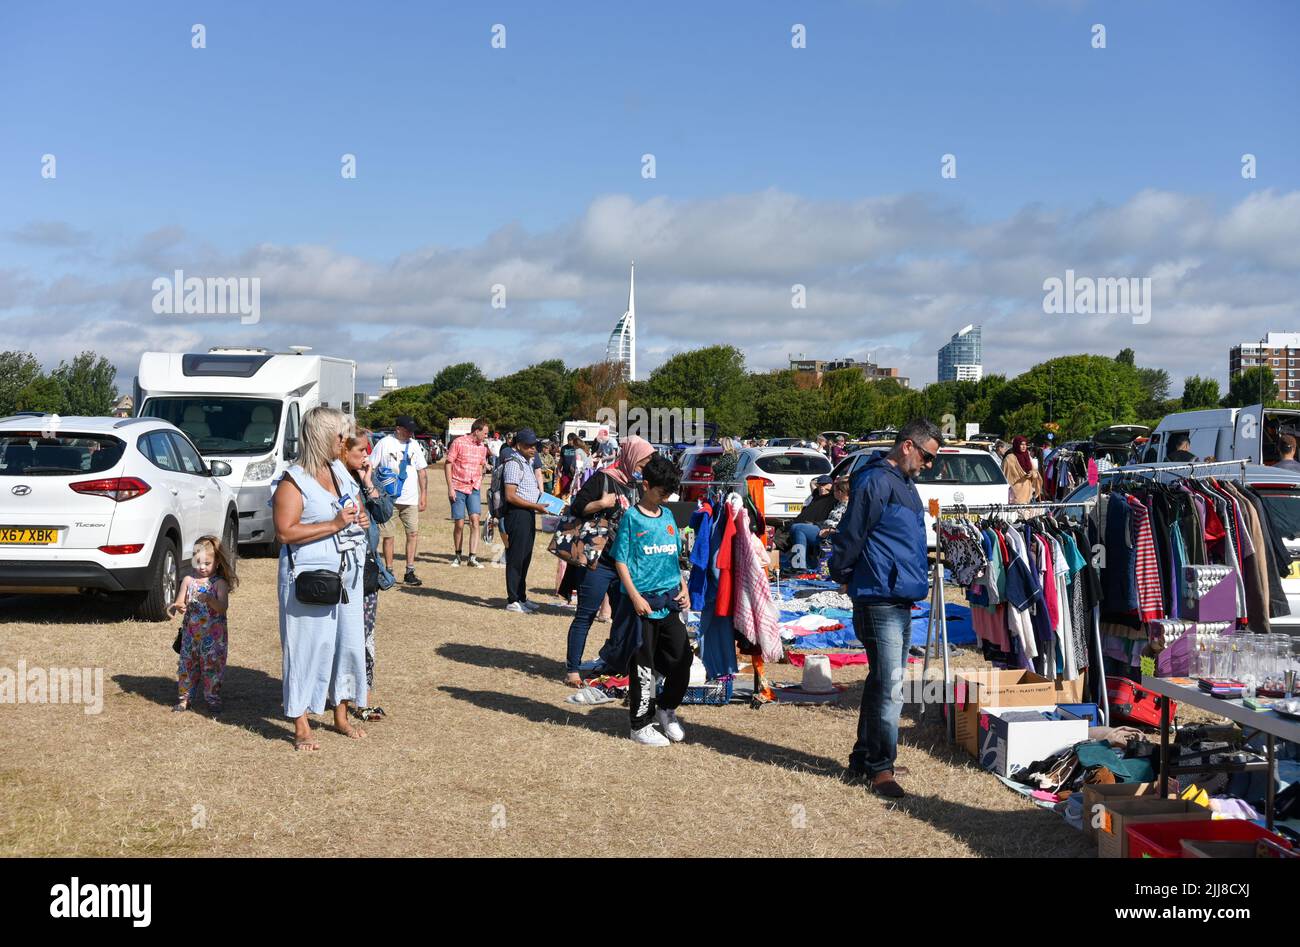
<point x="1170" y="468"/>
<point x="936" y="632"/>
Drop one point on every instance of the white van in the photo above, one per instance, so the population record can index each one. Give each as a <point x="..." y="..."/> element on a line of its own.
<point x="1249" y="433"/>
<point x="244" y="406"/>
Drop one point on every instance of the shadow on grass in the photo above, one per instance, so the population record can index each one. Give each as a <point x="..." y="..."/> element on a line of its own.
<point x="67" y="609"/>
<point x="612" y="720"/>
<point x="447" y="595"/>
<point x="251" y="699"/>
<point x="503" y="658"/>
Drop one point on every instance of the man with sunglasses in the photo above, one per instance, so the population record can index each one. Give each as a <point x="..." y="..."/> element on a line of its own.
<point x="879" y="557"/>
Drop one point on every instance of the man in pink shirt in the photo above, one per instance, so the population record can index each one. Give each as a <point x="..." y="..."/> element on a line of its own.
<point x="466" y="464"/>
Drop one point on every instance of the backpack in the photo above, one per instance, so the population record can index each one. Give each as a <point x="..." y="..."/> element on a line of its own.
<point x="497" y="504"/>
<point x="392" y="483"/>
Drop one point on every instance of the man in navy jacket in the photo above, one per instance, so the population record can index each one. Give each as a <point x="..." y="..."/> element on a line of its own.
<point x="879" y="558"/>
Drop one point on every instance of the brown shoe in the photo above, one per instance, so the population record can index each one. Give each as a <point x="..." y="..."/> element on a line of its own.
<point x="885" y="786"/>
<point x="902" y="771"/>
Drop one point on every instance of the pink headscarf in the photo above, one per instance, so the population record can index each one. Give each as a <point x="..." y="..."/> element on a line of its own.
<point x="631" y="452"/>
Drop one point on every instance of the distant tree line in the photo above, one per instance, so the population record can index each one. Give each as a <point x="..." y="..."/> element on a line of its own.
<point x="1073" y="396"/>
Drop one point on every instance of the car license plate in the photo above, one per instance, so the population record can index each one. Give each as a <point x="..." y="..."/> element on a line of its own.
<point x="28" y="535"/>
<point x="794" y="507"/>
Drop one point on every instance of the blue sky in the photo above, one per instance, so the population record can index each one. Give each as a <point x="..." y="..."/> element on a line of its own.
<point x="463" y="148"/>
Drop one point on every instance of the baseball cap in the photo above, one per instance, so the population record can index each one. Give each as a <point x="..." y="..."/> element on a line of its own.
<point x="823" y="480"/>
<point x="526" y="437"/>
<point x="408" y="422"/>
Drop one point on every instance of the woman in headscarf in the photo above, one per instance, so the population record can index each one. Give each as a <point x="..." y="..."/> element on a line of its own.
<point x="1026" y="483"/>
<point x="610" y="491"/>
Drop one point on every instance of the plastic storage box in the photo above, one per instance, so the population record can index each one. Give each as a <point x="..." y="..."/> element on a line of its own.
<point x="1165" y="839"/>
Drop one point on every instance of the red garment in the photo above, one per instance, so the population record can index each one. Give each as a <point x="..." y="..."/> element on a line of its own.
<point x="1151" y="605"/>
<point x="836" y="660"/>
<point x="723" y="608"/>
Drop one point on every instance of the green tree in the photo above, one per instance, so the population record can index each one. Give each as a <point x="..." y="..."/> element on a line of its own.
<point x="1253" y="386"/>
<point x="1027" y="420"/>
<point x="42" y="393"/>
<point x="784" y="409"/>
<point x="711" y="379"/>
<point x="1061" y="385"/>
<point x="464" y="375"/>
<point x="17" y="371"/>
<point x="1127" y="357"/>
<point x="87" y="385"/>
<point x="1200" y="392"/>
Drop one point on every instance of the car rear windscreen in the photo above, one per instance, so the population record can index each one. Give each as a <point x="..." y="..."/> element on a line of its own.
<point x="794" y="464"/>
<point x="704" y="460"/>
<point x="29" y="454"/>
<point x="963" y="468"/>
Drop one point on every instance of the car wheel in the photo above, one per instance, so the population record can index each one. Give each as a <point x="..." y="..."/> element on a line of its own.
<point x="166" y="580"/>
<point x="231" y="541"/>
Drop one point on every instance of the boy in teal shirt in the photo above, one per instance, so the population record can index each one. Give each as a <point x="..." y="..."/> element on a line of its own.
<point x="647" y="556"/>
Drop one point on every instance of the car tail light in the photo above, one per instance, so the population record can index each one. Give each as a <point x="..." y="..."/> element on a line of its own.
<point x="763" y="480"/>
<point x="115" y="488"/>
<point x="127" y="550"/>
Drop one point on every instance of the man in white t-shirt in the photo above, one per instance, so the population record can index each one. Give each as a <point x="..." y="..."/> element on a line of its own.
<point x="392" y="452"/>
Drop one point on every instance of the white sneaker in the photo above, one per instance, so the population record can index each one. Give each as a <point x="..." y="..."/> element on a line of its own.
<point x="517" y="608"/>
<point x="670" y="725"/>
<point x="531" y="606"/>
<point x="473" y="563"/>
<point x="649" y="736"/>
<point x="455" y="562"/>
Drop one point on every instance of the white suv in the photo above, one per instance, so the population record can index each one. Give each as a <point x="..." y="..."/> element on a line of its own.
<point x="108" y="504"/>
<point x="787" y="474"/>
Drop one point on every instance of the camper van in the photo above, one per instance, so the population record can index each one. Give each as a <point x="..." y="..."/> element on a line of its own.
<point x="1224" y="433"/>
<point x="244" y="406"/>
<point x="586" y="431"/>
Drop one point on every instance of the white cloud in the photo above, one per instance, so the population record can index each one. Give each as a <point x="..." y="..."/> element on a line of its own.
<point x="893" y="276"/>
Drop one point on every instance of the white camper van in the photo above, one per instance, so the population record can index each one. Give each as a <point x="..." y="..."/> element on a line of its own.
<point x="1249" y="433"/>
<point x="245" y="406"/>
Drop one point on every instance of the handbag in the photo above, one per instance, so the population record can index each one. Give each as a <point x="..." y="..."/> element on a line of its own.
<point x="376" y="578"/>
<point x="319" y="586"/>
<point x="581" y="542"/>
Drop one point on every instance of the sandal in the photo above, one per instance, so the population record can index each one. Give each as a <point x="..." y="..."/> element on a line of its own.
<point x="181" y="707"/>
<point x="573" y="679"/>
<point x="368" y="714"/>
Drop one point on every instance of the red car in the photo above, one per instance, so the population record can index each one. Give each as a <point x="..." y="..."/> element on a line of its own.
<point x="697" y="465"/>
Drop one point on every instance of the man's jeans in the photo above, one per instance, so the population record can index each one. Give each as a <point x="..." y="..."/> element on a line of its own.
<point x="805" y="545"/>
<point x="886" y="631"/>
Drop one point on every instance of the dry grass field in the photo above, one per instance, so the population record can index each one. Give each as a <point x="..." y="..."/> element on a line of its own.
<point x="480" y="756"/>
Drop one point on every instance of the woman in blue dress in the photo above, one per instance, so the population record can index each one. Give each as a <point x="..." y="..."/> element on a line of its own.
<point x="321" y="524"/>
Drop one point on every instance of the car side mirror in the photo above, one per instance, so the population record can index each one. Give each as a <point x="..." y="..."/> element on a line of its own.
<point x="291" y="448"/>
<point x="219" y="468"/>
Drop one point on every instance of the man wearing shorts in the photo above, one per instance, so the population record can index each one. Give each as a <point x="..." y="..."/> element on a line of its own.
<point x="466" y="464"/>
<point x="391" y="452"/>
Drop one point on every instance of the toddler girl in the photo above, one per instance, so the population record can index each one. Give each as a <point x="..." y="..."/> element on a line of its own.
<point x="204" y="597"/>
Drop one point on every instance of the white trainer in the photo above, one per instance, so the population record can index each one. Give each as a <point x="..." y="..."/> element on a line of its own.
<point x="670" y="725"/>
<point x="517" y="608"/>
<point x="649" y="736"/>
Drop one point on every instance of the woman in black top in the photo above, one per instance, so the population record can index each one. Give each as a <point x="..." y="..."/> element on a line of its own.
<point x="613" y="488"/>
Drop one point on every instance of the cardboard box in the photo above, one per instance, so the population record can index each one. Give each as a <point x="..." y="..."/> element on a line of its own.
<point x="1096" y="795"/>
<point x="1070" y="692"/>
<point x="1112" y="840"/>
<point x="1008" y="746"/>
<point x="990" y="688"/>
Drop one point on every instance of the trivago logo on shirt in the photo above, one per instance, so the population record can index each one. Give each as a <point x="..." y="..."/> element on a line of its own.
<point x="664" y="549"/>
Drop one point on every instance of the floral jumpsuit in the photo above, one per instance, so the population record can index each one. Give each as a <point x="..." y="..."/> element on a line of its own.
<point x="203" y="647"/>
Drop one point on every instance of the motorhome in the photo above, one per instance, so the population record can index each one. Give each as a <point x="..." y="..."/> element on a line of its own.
<point x="245" y="406"/>
<point x="1249" y="433"/>
<point x="587" y="431"/>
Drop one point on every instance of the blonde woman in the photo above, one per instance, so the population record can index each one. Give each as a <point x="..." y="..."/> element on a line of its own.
<point x="724" y="468"/>
<point x="321" y="525"/>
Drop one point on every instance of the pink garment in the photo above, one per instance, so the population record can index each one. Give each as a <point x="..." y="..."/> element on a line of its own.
<point x="991" y="625"/>
<point x="754" y="613"/>
<point x="837" y="660"/>
<point x="1048" y="579"/>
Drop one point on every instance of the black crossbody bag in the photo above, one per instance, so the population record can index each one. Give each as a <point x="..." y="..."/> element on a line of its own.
<point x="320" y="586"/>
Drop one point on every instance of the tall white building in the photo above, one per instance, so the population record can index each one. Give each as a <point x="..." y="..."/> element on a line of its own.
<point x="622" y="341"/>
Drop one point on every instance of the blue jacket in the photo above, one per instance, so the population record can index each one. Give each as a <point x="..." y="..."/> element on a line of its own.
<point x="880" y="547"/>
